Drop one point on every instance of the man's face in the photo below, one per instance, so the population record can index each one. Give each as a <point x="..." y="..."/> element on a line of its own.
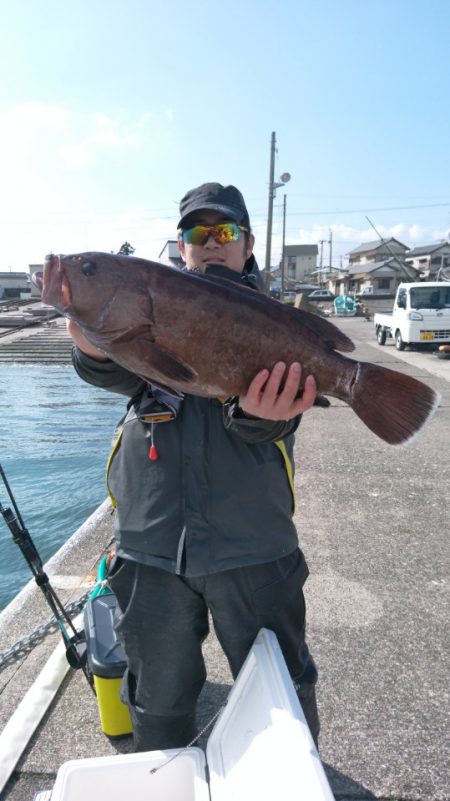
<point x="232" y="255"/>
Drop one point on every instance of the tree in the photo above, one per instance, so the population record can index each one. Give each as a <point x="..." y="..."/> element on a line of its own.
<point x="126" y="249"/>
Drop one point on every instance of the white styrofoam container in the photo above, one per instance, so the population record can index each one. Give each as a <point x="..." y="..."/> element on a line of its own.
<point x="129" y="776"/>
<point x="260" y="747"/>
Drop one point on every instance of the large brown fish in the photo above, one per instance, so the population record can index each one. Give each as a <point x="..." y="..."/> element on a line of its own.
<point x="208" y="336"/>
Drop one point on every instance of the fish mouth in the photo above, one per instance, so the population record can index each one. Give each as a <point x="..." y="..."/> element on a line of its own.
<point x="38" y="280"/>
<point x="54" y="284"/>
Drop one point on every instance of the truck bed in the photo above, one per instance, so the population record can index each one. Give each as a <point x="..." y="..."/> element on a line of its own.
<point x="383" y="318"/>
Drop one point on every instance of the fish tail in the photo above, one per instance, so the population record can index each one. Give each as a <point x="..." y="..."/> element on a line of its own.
<point x="393" y="405"/>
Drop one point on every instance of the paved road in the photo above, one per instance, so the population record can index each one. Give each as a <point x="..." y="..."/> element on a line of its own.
<point x="373" y="521"/>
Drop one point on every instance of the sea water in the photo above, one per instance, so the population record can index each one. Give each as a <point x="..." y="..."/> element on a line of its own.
<point x="55" y="438"/>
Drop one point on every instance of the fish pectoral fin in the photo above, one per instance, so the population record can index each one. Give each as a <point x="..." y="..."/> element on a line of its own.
<point x="321" y="401"/>
<point x="159" y="385"/>
<point x="145" y="331"/>
<point x="164" y="362"/>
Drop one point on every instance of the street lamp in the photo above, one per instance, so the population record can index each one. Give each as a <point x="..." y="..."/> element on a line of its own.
<point x="273" y="186"/>
<point x="282" y="250"/>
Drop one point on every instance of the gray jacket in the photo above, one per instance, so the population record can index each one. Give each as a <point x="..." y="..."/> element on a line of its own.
<point x="219" y="495"/>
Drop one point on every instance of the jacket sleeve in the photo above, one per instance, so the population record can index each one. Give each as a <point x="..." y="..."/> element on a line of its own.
<point x="107" y="375"/>
<point x="254" y="429"/>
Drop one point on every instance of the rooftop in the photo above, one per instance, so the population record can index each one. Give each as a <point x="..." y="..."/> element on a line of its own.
<point x="425" y="250"/>
<point x="375" y="245"/>
<point x="301" y="250"/>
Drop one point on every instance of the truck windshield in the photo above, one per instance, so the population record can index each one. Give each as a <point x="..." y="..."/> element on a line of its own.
<point x="431" y="297"/>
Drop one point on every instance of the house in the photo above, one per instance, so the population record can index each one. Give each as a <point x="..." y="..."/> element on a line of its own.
<point x="379" y="250"/>
<point x="299" y="261"/>
<point x="383" y="276"/>
<point x="429" y="259"/>
<point x="379" y="265"/>
<point x="170" y="254"/>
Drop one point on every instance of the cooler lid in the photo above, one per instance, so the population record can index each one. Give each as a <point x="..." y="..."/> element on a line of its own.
<point x="261" y="746"/>
<point x="105" y="655"/>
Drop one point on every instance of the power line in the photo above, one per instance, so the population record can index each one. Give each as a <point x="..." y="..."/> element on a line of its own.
<point x="162" y="217"/>
<point x="362" y="211"/>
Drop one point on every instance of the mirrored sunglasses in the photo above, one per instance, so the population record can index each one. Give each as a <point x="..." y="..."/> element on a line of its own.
<point x="222" y="233"/>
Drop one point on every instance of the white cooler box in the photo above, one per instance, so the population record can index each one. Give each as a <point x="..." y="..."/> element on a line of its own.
<point x="260" y="748"/>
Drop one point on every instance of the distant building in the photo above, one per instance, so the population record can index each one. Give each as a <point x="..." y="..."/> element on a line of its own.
<point x="429" y="259"/>
<point x="379" y="265"/>
<point x="382" y="276"/>
<point x="299" y="262"/>
<point x="379" y="250"/>
<point x="14" y="285"/>
<point x="170" y="254"/>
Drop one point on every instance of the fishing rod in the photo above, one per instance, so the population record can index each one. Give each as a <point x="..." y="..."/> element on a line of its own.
<point x="408" y="278"/>
<point x="75" y="641"/>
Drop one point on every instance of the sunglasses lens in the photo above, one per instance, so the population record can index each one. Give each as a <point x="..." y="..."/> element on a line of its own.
<point x="227" y="232"/>
<point x="222" y="233"/>
<point x="196" y="235"/>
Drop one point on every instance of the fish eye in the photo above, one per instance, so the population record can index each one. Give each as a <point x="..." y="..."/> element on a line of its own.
<point x="89" y="268"/>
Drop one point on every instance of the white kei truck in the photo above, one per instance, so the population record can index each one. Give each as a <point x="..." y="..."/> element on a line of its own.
<point x="421" y="315"/>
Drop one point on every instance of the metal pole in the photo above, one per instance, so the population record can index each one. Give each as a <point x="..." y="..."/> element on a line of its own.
<point x="270" y="211"/>
<point x="321" y="241"/>
<point x="330" y="241"/>
<point x="282" y="249"/>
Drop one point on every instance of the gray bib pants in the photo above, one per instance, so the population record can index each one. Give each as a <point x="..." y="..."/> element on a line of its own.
<point x="162" y="620"/>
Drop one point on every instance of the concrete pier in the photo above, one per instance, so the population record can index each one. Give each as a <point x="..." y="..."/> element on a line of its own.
<point x="46" y="342"/>
<point x="373" y="522"/>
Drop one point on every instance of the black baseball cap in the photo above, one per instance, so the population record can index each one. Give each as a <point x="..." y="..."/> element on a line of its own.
<point x="227" y="200"/>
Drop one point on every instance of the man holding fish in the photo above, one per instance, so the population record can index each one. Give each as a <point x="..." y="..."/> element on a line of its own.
<point x="203" y="488"/>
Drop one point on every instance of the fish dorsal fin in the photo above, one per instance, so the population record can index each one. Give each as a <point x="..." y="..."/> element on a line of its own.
<point x="322" y="328"/>
<point x="329" y="333"/>
<point x="221" y="280"/>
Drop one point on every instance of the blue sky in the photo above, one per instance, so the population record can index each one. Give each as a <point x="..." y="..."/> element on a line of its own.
<point x="111" y="110"/>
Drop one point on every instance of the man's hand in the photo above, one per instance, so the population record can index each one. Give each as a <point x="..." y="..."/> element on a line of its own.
<point x="264" y="399"/>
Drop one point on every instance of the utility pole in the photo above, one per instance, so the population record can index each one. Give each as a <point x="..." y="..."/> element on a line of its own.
<point x="273" y="186"/>
<point x="330" y="242"/>
<point x="321" y="243"/>
<point x="270" y="208"/>
<point x="282" y="250"/>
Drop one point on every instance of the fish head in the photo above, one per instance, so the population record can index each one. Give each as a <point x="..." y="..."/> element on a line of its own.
<point x="53" y="284"/>
<point x="82" y="286"/>
<point x="109" y="296"/>
<point x="71" y="282"/>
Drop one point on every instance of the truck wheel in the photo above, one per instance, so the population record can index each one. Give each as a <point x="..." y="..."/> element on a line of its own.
<point x="399" y="344"/>
<point x="381" y="335"/>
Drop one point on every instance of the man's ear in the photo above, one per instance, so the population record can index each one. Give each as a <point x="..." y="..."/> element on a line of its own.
<point x="249" y="246"/>
<point x="181" y="248"/>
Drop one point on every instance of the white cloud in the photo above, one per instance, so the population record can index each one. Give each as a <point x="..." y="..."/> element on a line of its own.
<point x="74" y="233"/>
<point x="107" y="133"/>
<point x="441" y="233"/>
<point x="143" y="121"/>
<point x="35" y="135"/>
<point x="47" y="156"/>
<point x="21" y="123"/>
<point x="28" y="132"/>
<point x="344" y="238"/>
